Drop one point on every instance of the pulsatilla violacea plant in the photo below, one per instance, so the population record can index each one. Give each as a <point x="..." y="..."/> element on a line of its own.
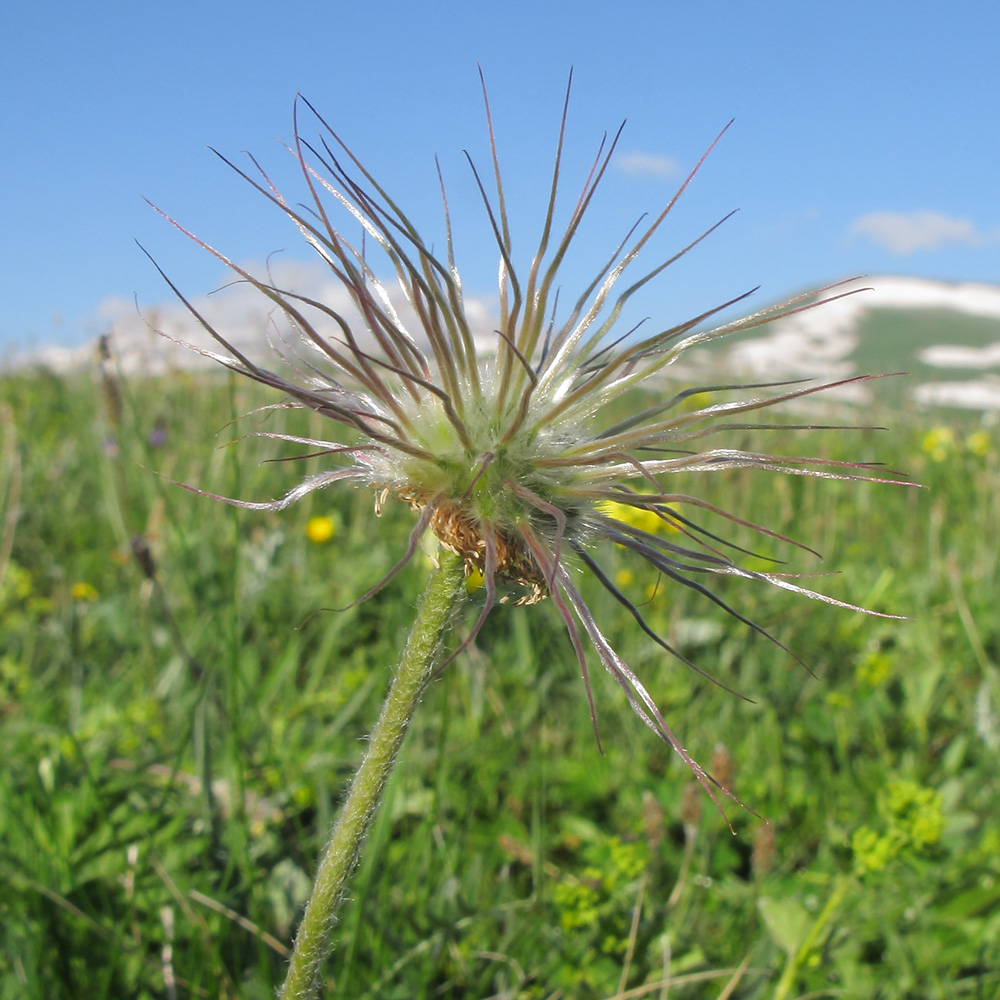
<point x="507" y="454"/>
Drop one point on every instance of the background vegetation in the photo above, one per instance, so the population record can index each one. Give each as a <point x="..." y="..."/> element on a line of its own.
<point x="180" y="712"/>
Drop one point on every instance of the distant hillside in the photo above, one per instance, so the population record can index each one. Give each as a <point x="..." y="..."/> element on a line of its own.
<point x="947" y="337"/>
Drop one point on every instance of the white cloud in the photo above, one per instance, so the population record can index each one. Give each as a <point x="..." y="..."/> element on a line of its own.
<point x="907" y="233"/>
<point x="646" y="165"/>
<point x="250" y="323"/>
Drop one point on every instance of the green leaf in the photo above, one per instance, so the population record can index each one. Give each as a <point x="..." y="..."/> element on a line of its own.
<point x="787" y="922"/>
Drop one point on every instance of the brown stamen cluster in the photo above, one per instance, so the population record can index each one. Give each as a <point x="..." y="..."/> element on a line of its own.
<point x="457" y="530"/>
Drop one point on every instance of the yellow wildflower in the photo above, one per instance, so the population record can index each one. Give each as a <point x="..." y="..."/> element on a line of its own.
<point x="83" y="592"/>
<point x="637" y="517"/>
<point x="320" y="529"/>
<point x="938" y="443"/>
<point x="978" y="442"/>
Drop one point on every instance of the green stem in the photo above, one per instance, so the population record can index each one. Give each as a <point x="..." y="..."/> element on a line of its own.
<point x="445" y="590"/>
<point x="798" y="959"/>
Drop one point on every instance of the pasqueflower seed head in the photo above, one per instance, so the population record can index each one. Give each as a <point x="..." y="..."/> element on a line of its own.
<point x="507" y="455"/>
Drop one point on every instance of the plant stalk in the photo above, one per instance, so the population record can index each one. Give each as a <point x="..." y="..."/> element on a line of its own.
<point x="445" y="591"/>
<point x="798" y="958"/>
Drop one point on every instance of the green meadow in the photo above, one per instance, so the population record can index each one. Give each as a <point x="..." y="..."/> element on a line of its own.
<point x="181" y="708"/>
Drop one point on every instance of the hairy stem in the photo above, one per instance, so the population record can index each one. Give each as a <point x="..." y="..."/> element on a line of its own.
<point x="445" y="591"/>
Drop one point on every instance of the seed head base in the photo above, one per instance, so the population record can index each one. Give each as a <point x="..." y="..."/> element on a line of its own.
<point x="457" y="530"/>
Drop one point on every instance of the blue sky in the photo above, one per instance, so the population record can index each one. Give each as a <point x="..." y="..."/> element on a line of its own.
<point x="866" y="137"/>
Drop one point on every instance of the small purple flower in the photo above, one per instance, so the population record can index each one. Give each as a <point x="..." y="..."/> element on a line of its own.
<point x="158" y="435"/>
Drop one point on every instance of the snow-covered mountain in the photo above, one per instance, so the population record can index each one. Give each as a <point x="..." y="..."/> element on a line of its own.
<point x="946" y="336"/>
